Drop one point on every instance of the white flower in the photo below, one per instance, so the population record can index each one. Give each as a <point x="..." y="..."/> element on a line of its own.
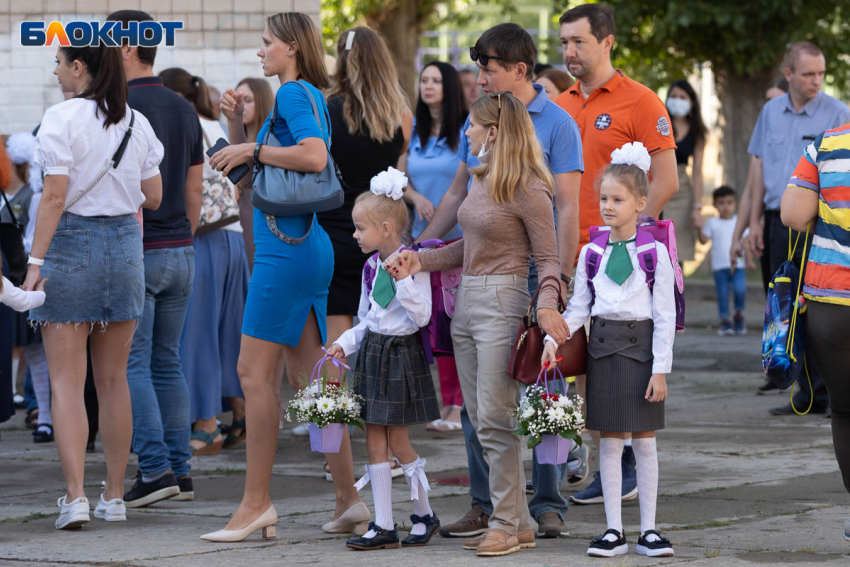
<point x="528" y="413"/>
<point x="390" y="183"/>
<point x="326" y="404"/>
<point x="556" y="414"/>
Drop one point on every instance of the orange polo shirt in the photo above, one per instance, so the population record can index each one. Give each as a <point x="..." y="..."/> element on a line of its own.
<point x="619" y="112"/>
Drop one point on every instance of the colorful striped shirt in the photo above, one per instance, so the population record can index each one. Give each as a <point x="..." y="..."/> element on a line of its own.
<point x="825" y="169"/>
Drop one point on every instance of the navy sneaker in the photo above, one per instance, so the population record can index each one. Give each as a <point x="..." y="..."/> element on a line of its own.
<point x="609" y="544"/>
<point x="590" y="495"/>
<point x="652" y="544"/>
<point x="630" y="490"/>
<point x="725" y="328"/>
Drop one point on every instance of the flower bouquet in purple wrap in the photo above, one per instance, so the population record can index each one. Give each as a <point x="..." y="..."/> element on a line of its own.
<point x="551" y="421"/>
<point x="327" y="405"/>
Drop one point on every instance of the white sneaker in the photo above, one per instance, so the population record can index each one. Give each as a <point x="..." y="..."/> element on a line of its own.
<point x="74" y="514"/>
<point x="111" y="511"/>
<point x="302" y="430"/>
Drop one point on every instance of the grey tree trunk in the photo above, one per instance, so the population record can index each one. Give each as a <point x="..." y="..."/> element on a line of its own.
<point x="741" y="100"/>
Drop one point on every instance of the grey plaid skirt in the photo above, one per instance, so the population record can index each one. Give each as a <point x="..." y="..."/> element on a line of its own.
<point x="393" y="376"/>
<point x="619" y="366"/>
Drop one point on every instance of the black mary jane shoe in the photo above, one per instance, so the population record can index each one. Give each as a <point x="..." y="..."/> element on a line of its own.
<point x="432" y="524"/>
<point x="384" y="539"/>
<point x="44" y="434"/>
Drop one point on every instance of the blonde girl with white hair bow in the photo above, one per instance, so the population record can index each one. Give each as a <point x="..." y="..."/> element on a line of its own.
<point x="392" y="373"/>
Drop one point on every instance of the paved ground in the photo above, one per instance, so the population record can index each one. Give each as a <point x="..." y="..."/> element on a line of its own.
<point x="738" y="487"/>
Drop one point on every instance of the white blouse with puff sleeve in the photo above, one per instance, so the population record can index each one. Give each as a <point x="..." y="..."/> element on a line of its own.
<point x="72" y="141"/>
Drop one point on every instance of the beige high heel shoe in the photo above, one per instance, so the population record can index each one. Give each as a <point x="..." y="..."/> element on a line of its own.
<point x="265" y="522"/>
<point x="354" y="520"/>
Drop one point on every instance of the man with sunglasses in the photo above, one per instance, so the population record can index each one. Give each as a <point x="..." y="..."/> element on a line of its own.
<point x="505" y="56"/>
<point x="611" y="110"/>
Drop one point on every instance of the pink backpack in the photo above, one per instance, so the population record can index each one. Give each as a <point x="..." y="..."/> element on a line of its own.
<point x="649" y="231"/>
<point x="436" y="336"/>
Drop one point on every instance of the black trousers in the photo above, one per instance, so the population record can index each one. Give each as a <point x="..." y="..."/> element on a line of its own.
<point x="828" y="339"/>
<point x="776" y="239"/>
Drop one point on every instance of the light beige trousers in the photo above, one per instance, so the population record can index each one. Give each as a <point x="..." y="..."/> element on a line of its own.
<point x="487" y="315"/>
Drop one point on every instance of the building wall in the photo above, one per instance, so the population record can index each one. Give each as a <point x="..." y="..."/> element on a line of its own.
<point x="218" y="42"/>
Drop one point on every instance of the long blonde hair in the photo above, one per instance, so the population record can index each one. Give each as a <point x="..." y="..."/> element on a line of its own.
<point x="299" y="29"/>
<point x="366" y="75"/>
<point x="516" y="159"/>
<point x="263" y="104"/>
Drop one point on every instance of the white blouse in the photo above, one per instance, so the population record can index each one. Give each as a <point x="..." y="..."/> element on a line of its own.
<point x="72" y="141"/>
<point x="212" y="132"/>
<point x="18" y="299"/>
<point x="409" y="311"/>
<point x="631" y="301"/>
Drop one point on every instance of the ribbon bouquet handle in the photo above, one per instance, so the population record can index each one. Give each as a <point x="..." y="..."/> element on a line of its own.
<point x="544" y="372"/>
<point x="316" y="375"/>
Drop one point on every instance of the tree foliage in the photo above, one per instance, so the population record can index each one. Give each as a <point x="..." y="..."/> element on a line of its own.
<point x="663" y="39"/>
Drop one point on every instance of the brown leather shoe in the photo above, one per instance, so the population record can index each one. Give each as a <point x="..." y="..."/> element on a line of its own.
<point x="497" y="543"/>
<point x="472" y="524"/>
<point x="549" y="525"/>
<point x="526" y="541"/>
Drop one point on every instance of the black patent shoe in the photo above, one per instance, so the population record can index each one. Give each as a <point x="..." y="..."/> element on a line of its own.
<point x="384" y="539"/>
<point x="44" y="434"/>
<point x="432" y="524"/>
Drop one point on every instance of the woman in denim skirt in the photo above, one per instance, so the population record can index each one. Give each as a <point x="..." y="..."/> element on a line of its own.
<point x="88" y="244"/>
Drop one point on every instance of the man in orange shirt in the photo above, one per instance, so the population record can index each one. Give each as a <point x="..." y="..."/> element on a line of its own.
<point x="611" y="110"/>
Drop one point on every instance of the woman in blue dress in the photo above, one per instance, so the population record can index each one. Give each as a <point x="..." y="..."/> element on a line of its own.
<point x="287" y="297"/>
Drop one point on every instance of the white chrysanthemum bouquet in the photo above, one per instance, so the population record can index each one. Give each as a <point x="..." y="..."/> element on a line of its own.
<point x="328" y="406"/>
<point x="550" y="421"/>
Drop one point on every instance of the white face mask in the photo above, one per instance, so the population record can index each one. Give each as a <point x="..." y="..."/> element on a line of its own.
<point x="483" y="153"/>
<point x="678" y="107"/>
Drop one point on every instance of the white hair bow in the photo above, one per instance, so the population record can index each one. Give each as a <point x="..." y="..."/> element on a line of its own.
<point x="21" y="147"/>
<point x="633" y="153"/>
<point x="390" y="183"/>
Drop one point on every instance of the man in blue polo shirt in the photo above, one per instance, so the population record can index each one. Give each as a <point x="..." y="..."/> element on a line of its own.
<point x="158" y="389"/>
<point x="786" y="126"/>
<point x="505" y="55"/>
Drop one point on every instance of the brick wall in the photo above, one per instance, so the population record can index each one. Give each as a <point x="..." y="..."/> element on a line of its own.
<point x="218" y="42"/>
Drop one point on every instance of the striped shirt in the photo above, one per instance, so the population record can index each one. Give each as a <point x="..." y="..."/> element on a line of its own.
<point x="825" y="169"/>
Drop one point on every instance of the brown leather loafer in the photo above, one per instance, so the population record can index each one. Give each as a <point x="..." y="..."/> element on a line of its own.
<point x="472" y="524"/>
<point x="497" y="543"/>
<point x="526" y="541"/>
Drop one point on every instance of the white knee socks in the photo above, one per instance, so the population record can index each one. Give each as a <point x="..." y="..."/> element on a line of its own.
<point x="646" y="458"/>
<point x="40" y="381"/>
<point x="415" y="474"/>
<point x="381" y="477"/>
<point x="611" y="469"/>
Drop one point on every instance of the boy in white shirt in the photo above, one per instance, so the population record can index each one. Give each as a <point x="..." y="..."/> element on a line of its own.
<point x="719" y="230"/>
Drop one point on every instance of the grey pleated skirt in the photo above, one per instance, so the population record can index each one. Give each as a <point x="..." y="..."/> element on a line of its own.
<point x="619" y="366"/>
<point x="393" y="376"/>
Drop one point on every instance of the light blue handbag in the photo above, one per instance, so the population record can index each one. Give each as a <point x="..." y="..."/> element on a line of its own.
<point x="280" y="192"/>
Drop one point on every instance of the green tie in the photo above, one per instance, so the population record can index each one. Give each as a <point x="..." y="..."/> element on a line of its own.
<point x="619" y="266"/>
<point x="384" y="289"/>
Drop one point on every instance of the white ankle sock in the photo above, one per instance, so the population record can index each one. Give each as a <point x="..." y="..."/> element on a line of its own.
<point x="382" y="496"/>
<point x="415" y="474"/>
<point x="646" y="457"/>
<point x="628" y="442"/>
<point x="611" y="470"/>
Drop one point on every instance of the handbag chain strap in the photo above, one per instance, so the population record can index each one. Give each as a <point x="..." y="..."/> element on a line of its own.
<point x="114" y="161"/>
<point x="9" y="208"/>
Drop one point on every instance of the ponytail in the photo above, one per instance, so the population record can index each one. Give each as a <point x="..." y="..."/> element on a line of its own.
<point x="191" y="87"/>
<point x="108" y="86"/>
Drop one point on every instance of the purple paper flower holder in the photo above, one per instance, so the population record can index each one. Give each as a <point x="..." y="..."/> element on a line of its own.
<point x="327" y="439"/>
<point x="553" y="450"/>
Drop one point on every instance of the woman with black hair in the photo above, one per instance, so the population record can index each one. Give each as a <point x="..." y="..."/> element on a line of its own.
<point x="101" y="164"/>
<point x="684" y="206"/>
<point x="209" y="345"/>
<point x="431" y="162"/>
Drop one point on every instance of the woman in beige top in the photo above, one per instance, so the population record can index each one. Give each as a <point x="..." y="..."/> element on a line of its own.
<point x="506" y="219"/>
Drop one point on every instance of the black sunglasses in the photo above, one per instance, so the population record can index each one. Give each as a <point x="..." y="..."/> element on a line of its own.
<point x="483" y="58"/>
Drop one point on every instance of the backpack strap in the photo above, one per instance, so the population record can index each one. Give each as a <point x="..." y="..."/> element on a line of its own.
<point x="647" y="255"/>
<point x="370" y="268"/>
<point x="593" y="257"/>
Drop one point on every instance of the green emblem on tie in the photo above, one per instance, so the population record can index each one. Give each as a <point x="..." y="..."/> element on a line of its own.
<point x="384" y="289"/>
<point x="619" y="266"/>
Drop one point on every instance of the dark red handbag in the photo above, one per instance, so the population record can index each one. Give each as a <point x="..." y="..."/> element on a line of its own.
<point x="524" y="365"/>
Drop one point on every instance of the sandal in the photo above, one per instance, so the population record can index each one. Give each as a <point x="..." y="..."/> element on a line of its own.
<point x="212" y="447"/>
<point x="232" y="439"/>
<point x="446" y="425"/>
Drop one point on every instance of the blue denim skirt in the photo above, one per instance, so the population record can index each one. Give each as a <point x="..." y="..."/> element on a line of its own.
<point x="95" y="270"/>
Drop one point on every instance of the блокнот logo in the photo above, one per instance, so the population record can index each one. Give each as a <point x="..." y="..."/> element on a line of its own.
<point x="111" y="34"/>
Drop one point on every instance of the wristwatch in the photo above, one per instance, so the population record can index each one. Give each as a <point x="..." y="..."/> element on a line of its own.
<point x="567" y="280"/>
<point x="35" y="261"/>
<point x="257" y="152"/>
